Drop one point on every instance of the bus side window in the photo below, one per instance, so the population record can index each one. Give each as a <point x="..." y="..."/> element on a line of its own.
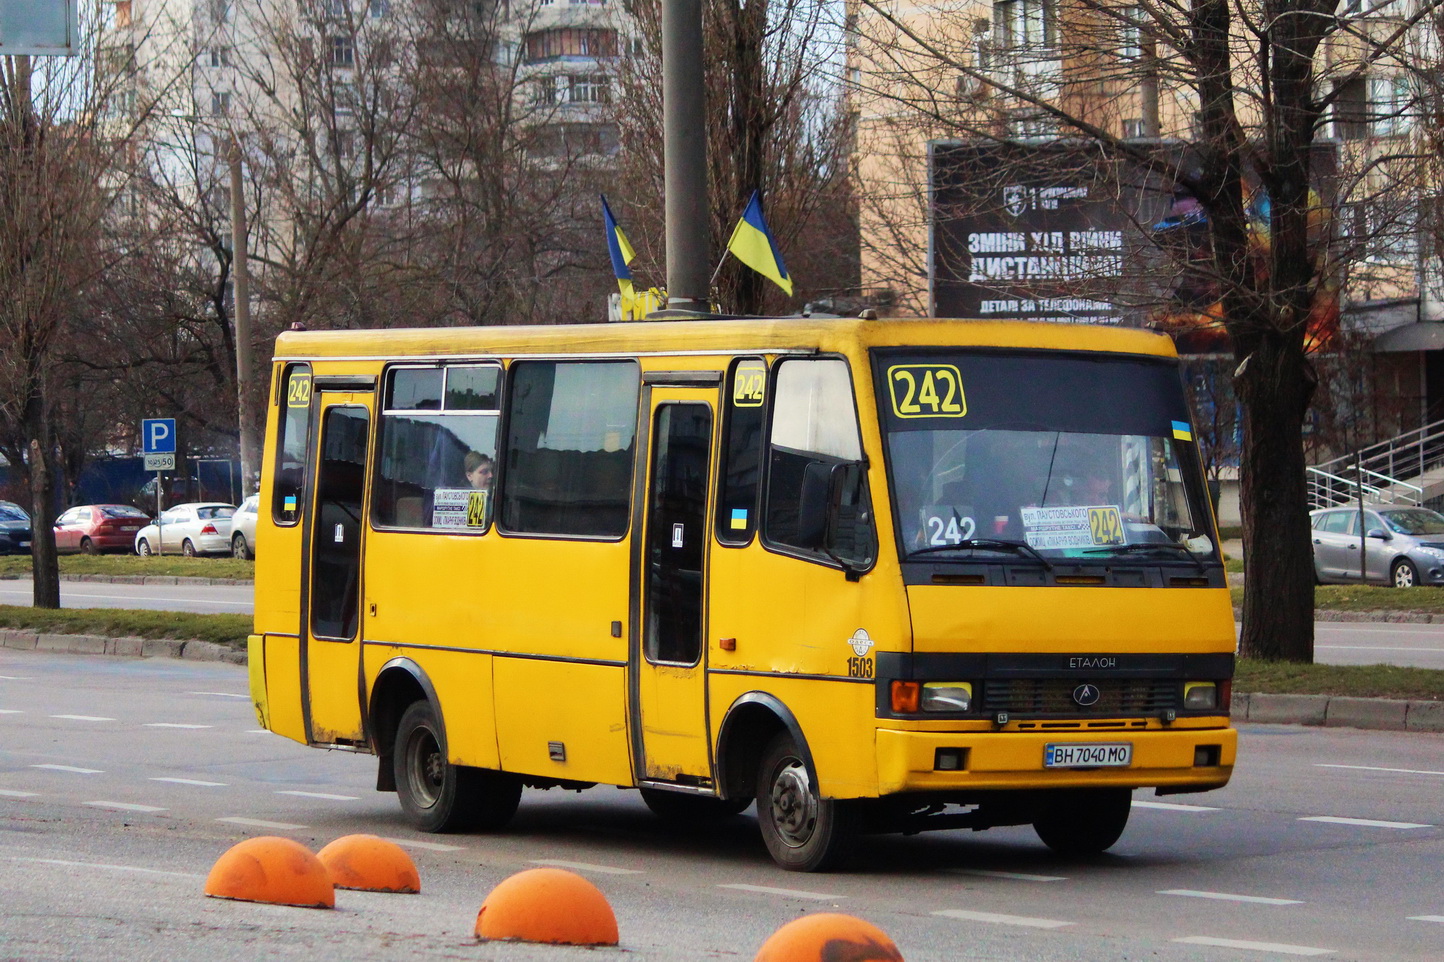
<point x="815" y="453"/>
<point x="438" y="426"/>
<point x="294" y="438"/>
<point x="567" y="465"/>
<point x="740" y="473"/>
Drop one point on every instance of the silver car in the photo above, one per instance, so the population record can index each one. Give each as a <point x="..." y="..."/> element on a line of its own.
<point x="1401" y="546"/>
<point x="202" y="527"/>
<point x="243" y="528"/>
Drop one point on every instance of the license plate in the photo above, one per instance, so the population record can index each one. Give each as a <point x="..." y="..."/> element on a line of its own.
<point x="1088" y="755"/>
<point x="24" y="544"/>
<point x="130" y="527"/>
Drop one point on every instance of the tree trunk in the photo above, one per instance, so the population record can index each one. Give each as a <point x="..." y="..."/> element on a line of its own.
<point x="1274" y="389"/>
<point x="44" y="564"/>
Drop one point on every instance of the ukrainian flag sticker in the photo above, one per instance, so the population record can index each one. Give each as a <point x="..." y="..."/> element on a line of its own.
<point x="739" y="519"/>
<point x="1181" y="431"/>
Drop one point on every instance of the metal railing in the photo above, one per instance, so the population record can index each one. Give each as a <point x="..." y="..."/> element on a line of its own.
<point x="1411" y="454"/>
<point x="1327" y="489"/>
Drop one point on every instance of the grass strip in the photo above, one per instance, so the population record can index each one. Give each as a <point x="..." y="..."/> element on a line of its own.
<point x="1370" y="598"/>
<point x="129" y="564"/>
<point x="226" y="629"/>
<point x="1359" y="681"/>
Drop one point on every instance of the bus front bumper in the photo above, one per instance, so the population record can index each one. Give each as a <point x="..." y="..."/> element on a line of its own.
<point x="926" y="761"/>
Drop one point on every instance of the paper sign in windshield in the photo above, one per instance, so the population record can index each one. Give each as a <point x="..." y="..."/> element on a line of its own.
<point x="458" y="508"/>
<point x="1080" y="526"/>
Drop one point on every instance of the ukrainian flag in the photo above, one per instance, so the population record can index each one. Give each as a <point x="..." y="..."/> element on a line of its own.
<point x="1182" y="431"/>
<point x="620" y="251"/>
<point x="753" y="245"/>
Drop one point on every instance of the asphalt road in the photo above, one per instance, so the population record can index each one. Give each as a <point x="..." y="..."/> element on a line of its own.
<point x="1336" y="643"/>
<point x="122" y="781"/>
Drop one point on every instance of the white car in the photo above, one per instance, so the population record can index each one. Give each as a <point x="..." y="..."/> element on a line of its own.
<point x="243" y="528"/>
<point x="202" y="527"/>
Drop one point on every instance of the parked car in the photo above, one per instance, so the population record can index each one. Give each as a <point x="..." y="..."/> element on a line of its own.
<point x="243" y="528"/>
<point x="93" y="528"/>
<point x="203" y="527"/>
<point x="1402" y="546"/>
<point x="14" y="529"/>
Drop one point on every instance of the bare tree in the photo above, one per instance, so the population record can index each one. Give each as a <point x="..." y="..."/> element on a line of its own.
<point x="774" y="123"/>
<point x="1252" y="86"/>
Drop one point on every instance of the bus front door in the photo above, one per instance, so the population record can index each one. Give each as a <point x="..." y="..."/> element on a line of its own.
<point x="670" y="740"/>
<point x="331" y="608"/>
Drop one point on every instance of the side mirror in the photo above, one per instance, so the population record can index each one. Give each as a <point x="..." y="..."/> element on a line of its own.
<point x="1379" y="533"/>
<point x="812" y="507"/>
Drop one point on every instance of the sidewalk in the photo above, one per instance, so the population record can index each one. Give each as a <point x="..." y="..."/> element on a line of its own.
<point x="1329" y="711"/>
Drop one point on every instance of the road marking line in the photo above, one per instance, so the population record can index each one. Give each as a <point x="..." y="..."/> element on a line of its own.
<point x="1374" y="768"/>
<point x="1364" y="822"/>
<point x="586" y="867"/>
<point x="1426" y="918"/>
<point x="1022" y="920"/>
<point x="11" y="793"/>
<point x="191" y="781"/>
<point x="428" y="846"/>
<point x="260" y="823"/>
<point x="173" y="725"/>
<point x="14" y="678"/>
<point x="1016" y="876"/>
<point x="1378" y="648"/>
<point x="1174" y="807"/>
<point x="1278" y="947"/>
<point x="785" y="893"/>
<point x="71" y="768"/>
<point x="1226" y="897"/>
<point x="124" y="806"/>
<point x="113" y="868"/>
<point x="83" y="717"/>
<point x="334" y="798"/>
<point x="11" y="711"/>
<point x="258" y="731"/>
<point x="221" y="694"/>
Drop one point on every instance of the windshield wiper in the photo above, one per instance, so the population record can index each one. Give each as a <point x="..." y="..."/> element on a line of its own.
<point x="1149" y="545"/>
<point x="1004" y="544"/>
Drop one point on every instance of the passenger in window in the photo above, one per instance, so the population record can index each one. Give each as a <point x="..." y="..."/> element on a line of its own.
<point x="480" y="469"/>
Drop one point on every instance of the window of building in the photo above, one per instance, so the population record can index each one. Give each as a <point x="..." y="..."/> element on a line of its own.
<point x="1130" y="45"/>
<point x="1133" y="128"/>
<point x="343" y="51"/>
<point x="591" y="89"/>
<point x="1391" y="99"/>
<point x="377" y="9"/>
<point x="220" y="56"/>
<point x="221" y="11"/>
<point x="220" y="103"/>
<point x="567" y="466"/>
<point x="1022" y="24"/>
<point x="570" y="42"/>
<point x="438" y="448"/>
<point x="336" y="9"/>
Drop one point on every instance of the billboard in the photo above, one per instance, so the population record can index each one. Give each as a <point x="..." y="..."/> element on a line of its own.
<point x="1059" y="232"/>
<point x="39" y="27"/>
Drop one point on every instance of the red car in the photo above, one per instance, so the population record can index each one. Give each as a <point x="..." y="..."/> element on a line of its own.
<point x="93" y="528"/>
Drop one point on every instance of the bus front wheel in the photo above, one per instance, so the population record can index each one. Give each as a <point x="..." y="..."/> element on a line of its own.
<point x="803" y="831"/>
<point x="1078" y="822"/>
<point x="441" y="797"/>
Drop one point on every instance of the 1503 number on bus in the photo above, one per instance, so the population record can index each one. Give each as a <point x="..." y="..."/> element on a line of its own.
<point x="1088" y="755"/>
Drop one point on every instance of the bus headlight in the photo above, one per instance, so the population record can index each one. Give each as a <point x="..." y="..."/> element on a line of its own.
<point x="1200" y="695"/>
<point x="947" y="696"/>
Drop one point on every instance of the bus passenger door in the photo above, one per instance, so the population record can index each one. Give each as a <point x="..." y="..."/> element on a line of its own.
<point x="668" y="689"/>
<point x="331" y="575"/>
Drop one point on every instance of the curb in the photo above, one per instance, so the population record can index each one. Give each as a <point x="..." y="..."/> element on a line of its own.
<point x="143" y="579"/>
<point x="1339" y="711"/>
<point x="125" y="647"/>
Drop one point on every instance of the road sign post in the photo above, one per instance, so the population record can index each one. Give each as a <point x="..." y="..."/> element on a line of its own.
<point x="157" y="445"/>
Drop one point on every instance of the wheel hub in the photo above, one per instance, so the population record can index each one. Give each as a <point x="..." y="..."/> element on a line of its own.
<point x="794" y="807"/>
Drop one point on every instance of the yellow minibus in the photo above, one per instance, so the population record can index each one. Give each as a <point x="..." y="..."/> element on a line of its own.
<point x="870" y="575"/>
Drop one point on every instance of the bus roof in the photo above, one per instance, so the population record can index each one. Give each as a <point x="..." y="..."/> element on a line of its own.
<point x="733" y="336"/>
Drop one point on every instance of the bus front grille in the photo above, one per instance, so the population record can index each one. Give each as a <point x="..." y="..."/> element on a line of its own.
<point x="1054" y="696"/>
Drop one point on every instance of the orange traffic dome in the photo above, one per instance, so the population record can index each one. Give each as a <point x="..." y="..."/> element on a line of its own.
<point x="828" y="935"/>
<point x="547" y="905"/>
<point x="272" y="869"/>
<point x="370" y="864"/>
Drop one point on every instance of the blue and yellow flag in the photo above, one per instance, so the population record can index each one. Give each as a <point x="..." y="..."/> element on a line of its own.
<point x="753" y="245"/>
<point x="620" y="251"/>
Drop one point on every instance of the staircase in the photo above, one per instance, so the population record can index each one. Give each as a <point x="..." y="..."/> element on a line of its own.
<point x="1380" y="472"/>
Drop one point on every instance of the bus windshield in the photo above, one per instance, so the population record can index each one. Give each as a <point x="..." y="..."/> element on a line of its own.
<point x="1036" y="457"/>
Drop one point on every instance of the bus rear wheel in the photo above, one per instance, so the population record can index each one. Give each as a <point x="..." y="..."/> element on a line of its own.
<point x="1079" y="822"/>
<point x="682" y="808"/>
<point x="803" y="831"/>
<point x="441" y="797"/>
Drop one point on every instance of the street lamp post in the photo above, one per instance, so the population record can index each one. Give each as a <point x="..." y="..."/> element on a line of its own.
<point x="250" y="449"/>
